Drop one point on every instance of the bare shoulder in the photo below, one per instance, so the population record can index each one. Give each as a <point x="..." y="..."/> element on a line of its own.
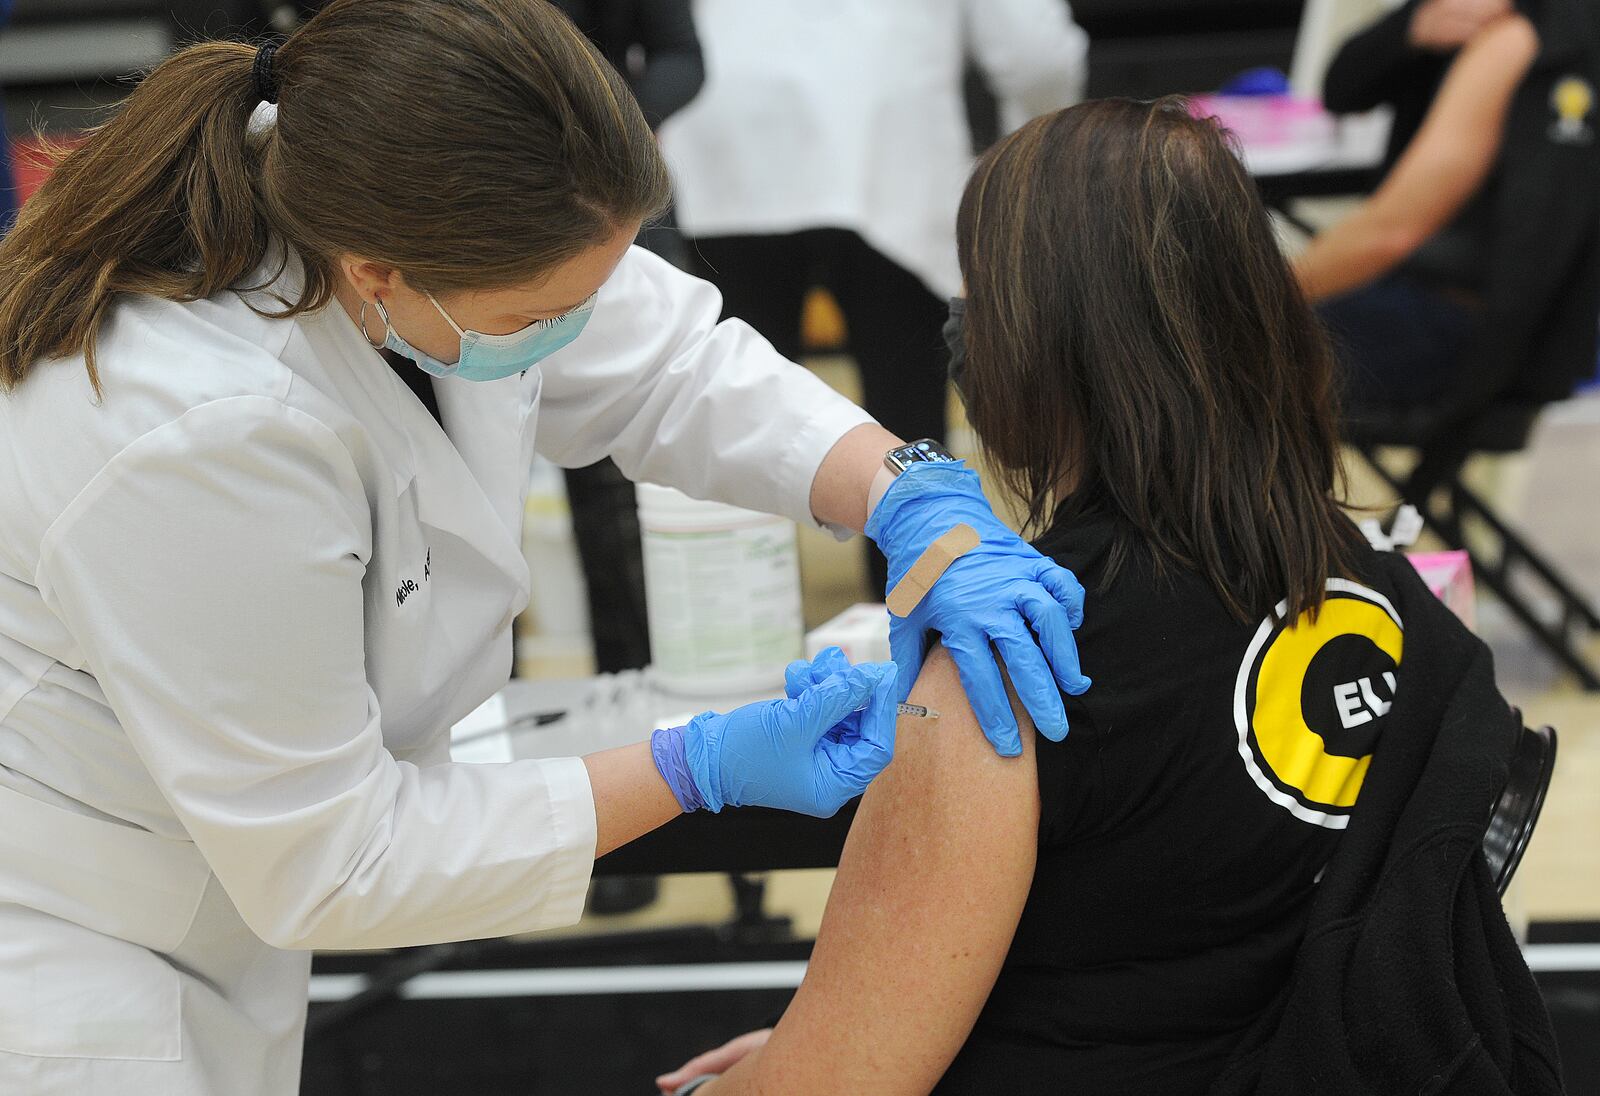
<point x="950" y="755"/>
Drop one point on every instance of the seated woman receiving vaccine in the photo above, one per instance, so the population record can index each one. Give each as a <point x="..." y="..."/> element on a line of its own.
<point x="1112" y="912"/>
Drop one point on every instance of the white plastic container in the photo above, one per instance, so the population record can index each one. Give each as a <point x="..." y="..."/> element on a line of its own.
<point x="861" y="631"/>
<point x="722" y="588"/>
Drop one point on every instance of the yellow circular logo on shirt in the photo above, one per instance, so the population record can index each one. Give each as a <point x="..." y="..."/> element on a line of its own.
<point x="1311" y="697"/>
<point x="1572" y="98"/>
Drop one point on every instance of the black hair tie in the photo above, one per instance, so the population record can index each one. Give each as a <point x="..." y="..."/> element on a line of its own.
<point x="261" y="74"/>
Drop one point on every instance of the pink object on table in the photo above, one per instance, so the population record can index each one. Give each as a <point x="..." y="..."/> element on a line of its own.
<point x="1263" y="121"/>
<point x="1449" y="576"/>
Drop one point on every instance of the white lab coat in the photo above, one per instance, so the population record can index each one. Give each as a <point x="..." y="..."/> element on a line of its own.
<point x="849" y="114"/>
<point x="242" y="600"/>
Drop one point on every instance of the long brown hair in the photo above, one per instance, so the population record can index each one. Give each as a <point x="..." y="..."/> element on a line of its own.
<point x="469" y="144"/>
<point x="1134" y="334"/>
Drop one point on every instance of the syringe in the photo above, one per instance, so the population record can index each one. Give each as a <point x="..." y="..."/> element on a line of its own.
<point x="917" y="711"/>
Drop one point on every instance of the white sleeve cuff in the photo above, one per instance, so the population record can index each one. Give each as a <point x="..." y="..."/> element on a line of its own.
<point x="573" y="832"/>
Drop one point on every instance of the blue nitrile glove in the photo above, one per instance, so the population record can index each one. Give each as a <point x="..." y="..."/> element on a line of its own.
<point x="810" y="754"/>
<point x="800" y="675"/>
<point x="1002" y="592"/>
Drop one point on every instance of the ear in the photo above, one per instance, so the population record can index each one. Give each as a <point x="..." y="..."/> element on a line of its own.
<point x="371" y="280"/>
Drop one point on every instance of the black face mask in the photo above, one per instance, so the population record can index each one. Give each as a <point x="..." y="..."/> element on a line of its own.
<point x="955" y="338"/>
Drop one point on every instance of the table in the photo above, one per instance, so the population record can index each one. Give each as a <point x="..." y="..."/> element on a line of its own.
<point x="1322" y="155"/>
<point x="576" y="716"/>
<point x="1342" y="146"/>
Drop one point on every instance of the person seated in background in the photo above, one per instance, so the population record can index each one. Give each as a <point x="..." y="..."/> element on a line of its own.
<point x="1484" y="222"/>
<point x="1112" y="913"/>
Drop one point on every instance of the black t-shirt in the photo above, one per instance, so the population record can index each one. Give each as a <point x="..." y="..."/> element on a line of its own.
<point x="1184" y="822"/>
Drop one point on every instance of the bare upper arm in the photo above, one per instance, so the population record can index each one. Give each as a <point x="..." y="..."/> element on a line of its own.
<point x="1453" y="152"/>
<point x="930" y="887"/>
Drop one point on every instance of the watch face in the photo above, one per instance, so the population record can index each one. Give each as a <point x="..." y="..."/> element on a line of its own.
<point x="925" y="449"/>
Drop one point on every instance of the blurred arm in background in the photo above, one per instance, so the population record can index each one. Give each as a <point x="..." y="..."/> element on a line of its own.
<point x="1442" y="167"/>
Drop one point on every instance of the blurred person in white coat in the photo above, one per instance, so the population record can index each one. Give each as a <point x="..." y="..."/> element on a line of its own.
<point x="829" y="146"/>
<point x="278" y="344"/>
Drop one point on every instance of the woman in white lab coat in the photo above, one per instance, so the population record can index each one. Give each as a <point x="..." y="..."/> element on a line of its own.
<point x="251" y="571"/>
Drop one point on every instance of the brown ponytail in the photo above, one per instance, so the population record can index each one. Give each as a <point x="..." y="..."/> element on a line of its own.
<point x="470" y="144"/>
<point x="158" y="200"/>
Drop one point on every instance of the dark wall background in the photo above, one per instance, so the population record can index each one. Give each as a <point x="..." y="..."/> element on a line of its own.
<point x="1138" y="47"/>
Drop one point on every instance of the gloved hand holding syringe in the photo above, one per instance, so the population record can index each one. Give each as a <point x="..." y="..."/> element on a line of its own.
<point x="812" y="752"/>
<point x="799" y="676"/>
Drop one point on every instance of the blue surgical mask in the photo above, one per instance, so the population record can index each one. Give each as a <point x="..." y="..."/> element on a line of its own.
<point x="490" y="357"/>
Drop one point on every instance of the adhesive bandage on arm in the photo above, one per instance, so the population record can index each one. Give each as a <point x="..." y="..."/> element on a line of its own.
<point x="934" y="561"/>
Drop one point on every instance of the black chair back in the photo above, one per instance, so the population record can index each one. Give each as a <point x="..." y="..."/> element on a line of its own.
<point x="1533" y="761"/>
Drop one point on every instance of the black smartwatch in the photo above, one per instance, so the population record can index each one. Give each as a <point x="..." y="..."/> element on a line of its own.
<point x="923" y="450"/>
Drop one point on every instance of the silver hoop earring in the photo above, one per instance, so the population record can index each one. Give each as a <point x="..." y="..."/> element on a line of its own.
<point x="361" y="322"/>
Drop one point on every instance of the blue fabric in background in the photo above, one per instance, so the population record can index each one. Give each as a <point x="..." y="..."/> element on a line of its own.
<point x="1265" y="80"/>
<point x="1593" y="383"/>
<point x="8" y="181"/>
